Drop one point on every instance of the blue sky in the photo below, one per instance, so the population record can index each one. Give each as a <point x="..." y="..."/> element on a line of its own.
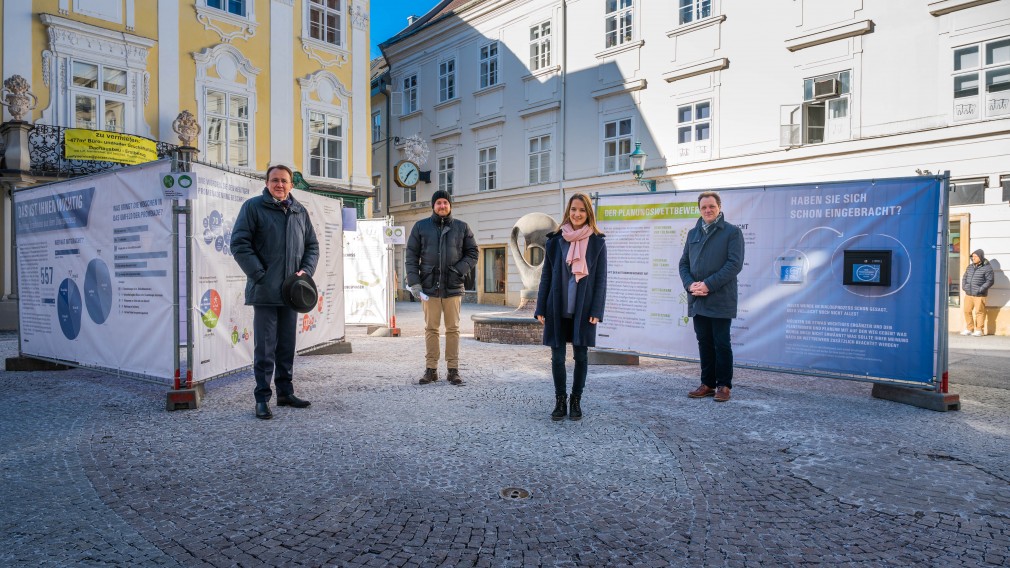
<point x="390" y="16"/>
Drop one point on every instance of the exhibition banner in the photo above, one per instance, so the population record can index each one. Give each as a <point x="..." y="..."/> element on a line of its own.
<point x="838" y="278"/>
<point x="366" y="273"/>
<point x="222" y="324"/>
<point x="102" y="146"/>
<point x="94" y="266"/>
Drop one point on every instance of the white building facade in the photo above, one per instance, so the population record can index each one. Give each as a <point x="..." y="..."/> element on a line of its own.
<point x="523" y="103"/>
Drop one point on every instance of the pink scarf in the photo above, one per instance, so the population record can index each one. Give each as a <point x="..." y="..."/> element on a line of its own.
<point x="579" y="239"/>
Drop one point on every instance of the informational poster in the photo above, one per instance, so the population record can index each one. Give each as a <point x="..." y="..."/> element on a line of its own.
<point x="366" y="273"/>
<point x="95" y="271"/>
<point x="222" y="323"/>
<point x="838" y="278"/>
<point x="83" y="144"/>
<point x="327" y="321"/>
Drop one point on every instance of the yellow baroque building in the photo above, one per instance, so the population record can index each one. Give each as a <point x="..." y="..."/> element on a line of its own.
<point x="269" y="81"/>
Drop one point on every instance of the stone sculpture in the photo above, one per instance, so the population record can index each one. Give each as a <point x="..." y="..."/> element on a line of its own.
<point x="18" y="97"/>
<point x="534" y="228"/>
<point x="186" y="127"/>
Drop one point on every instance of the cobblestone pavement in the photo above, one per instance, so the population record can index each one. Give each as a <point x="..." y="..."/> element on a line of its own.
<point x="383" y="472"/>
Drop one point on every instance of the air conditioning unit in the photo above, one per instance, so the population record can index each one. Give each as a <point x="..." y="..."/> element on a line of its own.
<point x="825" y="88"/>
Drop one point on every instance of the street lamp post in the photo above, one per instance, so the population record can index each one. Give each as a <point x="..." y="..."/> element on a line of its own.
<point x="638" y="167"/>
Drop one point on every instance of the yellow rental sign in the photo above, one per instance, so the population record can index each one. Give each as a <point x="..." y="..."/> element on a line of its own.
<point x="82" y="144"/>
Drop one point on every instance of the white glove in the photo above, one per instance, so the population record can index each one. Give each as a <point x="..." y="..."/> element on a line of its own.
<point x="416" y="291"/>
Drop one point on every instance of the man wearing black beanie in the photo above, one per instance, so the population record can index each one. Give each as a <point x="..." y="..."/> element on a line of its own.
<point x="440" y="252"/>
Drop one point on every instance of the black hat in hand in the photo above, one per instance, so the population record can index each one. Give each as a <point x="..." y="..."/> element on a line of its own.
<point x="299" y="293"/>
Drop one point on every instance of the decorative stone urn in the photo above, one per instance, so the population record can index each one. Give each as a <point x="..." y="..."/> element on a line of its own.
<point x="17" y="97"/>
<point x="519" y="326"/>
<point x="186" y="127"/>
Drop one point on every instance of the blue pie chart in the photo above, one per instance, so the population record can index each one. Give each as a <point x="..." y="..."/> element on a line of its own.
<point x="68" y="308"/>
<point x="98" y="291"/>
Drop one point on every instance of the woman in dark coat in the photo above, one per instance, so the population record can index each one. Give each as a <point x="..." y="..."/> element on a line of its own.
<point x="573" y="291"/>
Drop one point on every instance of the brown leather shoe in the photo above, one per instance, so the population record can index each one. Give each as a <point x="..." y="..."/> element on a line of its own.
<point x="721" y="394"/>
<point x="701" y="392"/>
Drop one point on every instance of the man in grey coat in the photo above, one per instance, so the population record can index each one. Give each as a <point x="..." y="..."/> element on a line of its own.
<point x="273" y="239"/>
<point x="977" y="280"/>
<point x="713" y="256"/>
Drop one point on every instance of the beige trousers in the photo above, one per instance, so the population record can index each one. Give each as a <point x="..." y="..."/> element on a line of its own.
<point x="976" y="304"/>
<point x="436" y="310"/>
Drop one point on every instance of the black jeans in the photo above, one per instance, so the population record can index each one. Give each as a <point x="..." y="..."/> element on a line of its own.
<point x="715" y="350"/>
<point x="581" y="354"/>
<point x="274" y="329"/>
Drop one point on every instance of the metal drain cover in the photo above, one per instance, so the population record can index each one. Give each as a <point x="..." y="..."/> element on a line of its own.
<point x="514" y="493"/>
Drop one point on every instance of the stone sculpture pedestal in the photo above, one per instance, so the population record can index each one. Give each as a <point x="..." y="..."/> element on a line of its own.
<point x="519" y="327"/>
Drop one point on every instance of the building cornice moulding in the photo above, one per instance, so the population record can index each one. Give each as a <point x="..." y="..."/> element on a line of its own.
<point x="947" y="6"/>
<point x="449" y="103"/>
<point x="630" y="46"/>
<point x="829" y="35"/>
<point x="547" y="72"/>
<point x="446" y="134"/>
<point x="697" y="25"/>
<point x="707" y="66"/>
<point x="620" y="88"/>
<point x="491" y="89"/>
<point x="489" y="121"/>
<point x="553" y="105"/>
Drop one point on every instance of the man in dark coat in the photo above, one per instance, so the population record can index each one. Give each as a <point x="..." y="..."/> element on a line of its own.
<point x="273" y="239"/>
<point x="713" y="256"/>
<point x="977" y="280"/>
<point x="441" y="251"/>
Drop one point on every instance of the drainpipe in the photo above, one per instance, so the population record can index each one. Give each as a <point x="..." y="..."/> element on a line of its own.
<point x="386" y="88"/>
<point x="564" y="107"/>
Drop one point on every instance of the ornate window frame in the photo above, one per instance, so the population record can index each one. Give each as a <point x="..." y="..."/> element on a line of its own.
<point x="227" y="25"/>
<point x="323" y="92"/>
<point x="224" y="68"/>
<point x="70" y="41"/>
<point x="324" y="53"/>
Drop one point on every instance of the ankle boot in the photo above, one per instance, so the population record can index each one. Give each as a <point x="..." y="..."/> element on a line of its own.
<point x="576" y="408"/>
<point x="560" y="409"/>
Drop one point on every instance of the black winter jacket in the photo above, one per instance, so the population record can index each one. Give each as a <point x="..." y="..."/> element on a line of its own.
<point x="590" y="292"/>
<point x="440" y="252"/>
<point x="270" y="245"/>
<point x="978" y="278"/>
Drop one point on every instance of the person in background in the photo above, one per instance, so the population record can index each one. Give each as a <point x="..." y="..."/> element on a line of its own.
<point x="571" y="298"/>
<point x="441" y="250"/>
<point x="272" y="239"/>
<point x="712" y="258"/>
<point x="977" y="280"/>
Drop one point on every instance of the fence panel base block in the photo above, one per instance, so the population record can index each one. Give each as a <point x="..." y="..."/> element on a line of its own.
<point x="31" y="364"/>
<point x="383" y="332"/>
<point x="338" y="348"/>
<point x="185" y="399"/>
<point x="605" y="358"/>
<point x="932" y="400"/>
